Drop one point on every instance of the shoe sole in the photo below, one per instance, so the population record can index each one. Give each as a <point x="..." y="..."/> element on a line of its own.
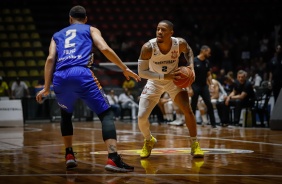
<point x="117" y="169"/>
<point x="150" y="151"/>
<point x="198" y="156"/>
<point x="71" y="165"/>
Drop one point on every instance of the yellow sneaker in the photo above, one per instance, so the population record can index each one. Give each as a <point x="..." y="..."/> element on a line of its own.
<point x="196" y="151"/>
<point x="147" y="148"/>
<point x="145" y="163"/>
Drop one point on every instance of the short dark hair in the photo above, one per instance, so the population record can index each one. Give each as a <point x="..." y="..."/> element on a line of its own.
<point x="170" y="24"/>
<point x="78" y="12"/>
<point x="204" y="47"/>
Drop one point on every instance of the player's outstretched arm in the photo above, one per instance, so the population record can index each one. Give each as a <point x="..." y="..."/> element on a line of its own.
<point x="101" y="44"/>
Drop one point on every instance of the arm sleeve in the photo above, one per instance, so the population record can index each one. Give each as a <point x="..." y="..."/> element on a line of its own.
<point x="144" y="72"/>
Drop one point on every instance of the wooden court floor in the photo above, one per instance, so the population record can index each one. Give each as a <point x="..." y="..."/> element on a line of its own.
<point x="34" y="154"/>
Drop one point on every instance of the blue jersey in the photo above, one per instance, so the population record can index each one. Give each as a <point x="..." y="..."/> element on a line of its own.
<point x="74" y="46"/>
<point x="72" y="79"/>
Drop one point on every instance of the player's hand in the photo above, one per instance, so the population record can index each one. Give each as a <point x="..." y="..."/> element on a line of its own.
<point x="128" y="73"/>
<point x="40" y="94"/>
<point x="193" y="75"/>
<point x="173" y="75"/>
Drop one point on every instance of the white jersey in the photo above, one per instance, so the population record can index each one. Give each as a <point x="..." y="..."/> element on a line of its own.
<point x="161" y="63"/>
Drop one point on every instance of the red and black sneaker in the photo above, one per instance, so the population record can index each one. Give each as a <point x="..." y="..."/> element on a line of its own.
<point x="70" y="161"/>
<point x="117" y="165"/>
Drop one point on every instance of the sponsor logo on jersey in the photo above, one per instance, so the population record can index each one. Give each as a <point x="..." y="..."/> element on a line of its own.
<point x="164" y="62"/>
<point x="62" y="105"/>
<point x="174" y="54"/>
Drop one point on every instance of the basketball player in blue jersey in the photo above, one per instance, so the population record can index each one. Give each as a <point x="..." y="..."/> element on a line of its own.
<point x="69" y="54"/>
<point x="158" y="62"/>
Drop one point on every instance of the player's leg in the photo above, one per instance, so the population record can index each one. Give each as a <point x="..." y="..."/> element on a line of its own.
<point x="66" y="99"/>
<point x="181" y="99"/>
<point x="207" y="99"/>
<point x="202" y="108"/>
<point x="145" y="108"/>
<point x="194" y="99"/>
<point x="95" y="98"/>
<point x="149" y="98"/>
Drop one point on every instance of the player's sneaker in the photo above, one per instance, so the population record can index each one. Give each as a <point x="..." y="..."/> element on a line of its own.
<point x="71" y="176"/>
<point x="177" y="122"/>
<point x="196" y="151"/>
<point x="145" y="163"/>
<point x="117" y="165"/>
<point x="197" y="164"/>
<point x="147" y="148"/>
<point x="70" y="161"/>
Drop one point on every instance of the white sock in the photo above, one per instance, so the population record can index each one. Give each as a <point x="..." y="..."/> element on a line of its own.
<point x="182" y="117"/>
<point x="178" y="116"/>
<point x="169" y="117"/>
<point x="204" y="118"/>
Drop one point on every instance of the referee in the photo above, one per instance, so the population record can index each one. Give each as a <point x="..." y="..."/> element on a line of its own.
<point x="202" y="80"/>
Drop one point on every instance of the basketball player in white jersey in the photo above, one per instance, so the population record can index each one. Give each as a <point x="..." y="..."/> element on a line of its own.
<point x="158" y="62"/>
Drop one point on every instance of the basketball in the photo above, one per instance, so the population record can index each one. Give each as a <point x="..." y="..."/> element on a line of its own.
<point x="186" y="79"/>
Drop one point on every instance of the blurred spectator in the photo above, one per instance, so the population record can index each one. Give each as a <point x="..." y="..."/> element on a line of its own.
<point x="240" y="97"/>
<point x="217" y="94"/>
<point x="129" y="84"/>
<point x="19" y="89"/>
<point x="113" y="101"/>
<point x="228" y="82"/>
<point x="4" y="88"/>
<point x="127" y="101"/>
<point x="255" y="79"/>
<point x="166" y="106"/>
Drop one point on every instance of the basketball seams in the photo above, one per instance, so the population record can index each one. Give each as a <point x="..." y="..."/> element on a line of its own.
<point x="185" y="80"/>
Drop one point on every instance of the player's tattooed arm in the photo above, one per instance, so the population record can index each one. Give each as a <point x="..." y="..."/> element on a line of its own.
<point x="187" y="51"/>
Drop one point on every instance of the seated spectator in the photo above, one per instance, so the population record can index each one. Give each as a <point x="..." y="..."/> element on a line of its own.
<point x="113" y="101"/>
<point x="129" y="84"/>
<point x="165" y="104"/>
<point x="179" y="116"/>
<point x="19" y="89"/>
<point x="240" y="97"/>
<point x="217" y="94"/>
<point x="228" y="82"/>
<point x="127" y="101"/>
<point x="255" y="79"/>
<point x="4" y="88"/>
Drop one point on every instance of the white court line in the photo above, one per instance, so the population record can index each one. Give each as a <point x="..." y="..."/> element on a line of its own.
<point x="131" y="132"/>
<point x="144" y="175"/>
<point x="213" y="138"/>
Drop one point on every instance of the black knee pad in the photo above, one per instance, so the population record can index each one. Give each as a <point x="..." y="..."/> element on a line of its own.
<point x="66" y="123"/>
<point x="108" y="126"/>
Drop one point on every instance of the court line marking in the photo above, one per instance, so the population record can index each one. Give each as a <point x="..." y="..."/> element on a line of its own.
<point x="213" y="138"/>
<point x="144" y="175"/>
<point x="131" y="132"/>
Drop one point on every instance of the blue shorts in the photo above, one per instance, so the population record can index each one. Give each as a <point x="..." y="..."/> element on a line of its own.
<point x="79" y="82"/>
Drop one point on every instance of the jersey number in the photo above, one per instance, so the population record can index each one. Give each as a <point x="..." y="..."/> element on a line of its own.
<point x="70" y="34"/>
<point x="164" y="68"/>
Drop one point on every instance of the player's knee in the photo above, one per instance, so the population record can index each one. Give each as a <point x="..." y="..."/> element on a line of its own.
<point x="143" y="116"/>
<point x="66" y="123"/>
<point x="108" y="126"/>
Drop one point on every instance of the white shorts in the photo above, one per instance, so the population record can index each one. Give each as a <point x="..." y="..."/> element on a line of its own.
<point x="154" y="89"/>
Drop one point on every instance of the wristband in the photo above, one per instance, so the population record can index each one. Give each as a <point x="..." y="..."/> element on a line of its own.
<point x="161" y="76"/>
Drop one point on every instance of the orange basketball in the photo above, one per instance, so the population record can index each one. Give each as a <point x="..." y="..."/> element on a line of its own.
<point x="186" y="77"/>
